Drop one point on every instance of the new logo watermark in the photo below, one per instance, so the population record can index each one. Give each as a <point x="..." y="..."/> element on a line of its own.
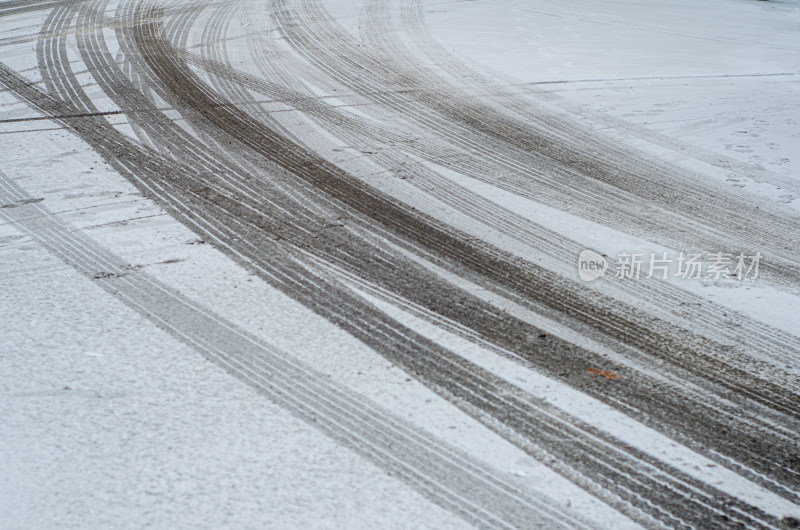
<point x="591" y="265"/>
<point x="663" y="265"/>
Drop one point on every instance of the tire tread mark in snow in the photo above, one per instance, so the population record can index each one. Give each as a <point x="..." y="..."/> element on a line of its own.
<point x="199" y="97"/>
<point x="438" y="471"/>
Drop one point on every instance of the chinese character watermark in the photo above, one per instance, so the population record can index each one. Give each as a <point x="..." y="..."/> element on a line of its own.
<point x="665" y="265"/>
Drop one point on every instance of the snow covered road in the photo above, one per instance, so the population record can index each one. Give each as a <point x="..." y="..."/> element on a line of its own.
<point x="315" y="263"/>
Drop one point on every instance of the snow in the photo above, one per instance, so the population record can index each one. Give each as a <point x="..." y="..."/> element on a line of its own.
<point x="111" y="422"/>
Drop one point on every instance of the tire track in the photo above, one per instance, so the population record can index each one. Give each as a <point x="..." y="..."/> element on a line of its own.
<point x="217" y="104"/>
<point x="221" y="200"/>
<point x="440" y="472"/>
<point x="412" y="21"/>
<point x="530" y="159"/>
<point x="195" y="97"/>
<point x="755" y="339"/>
